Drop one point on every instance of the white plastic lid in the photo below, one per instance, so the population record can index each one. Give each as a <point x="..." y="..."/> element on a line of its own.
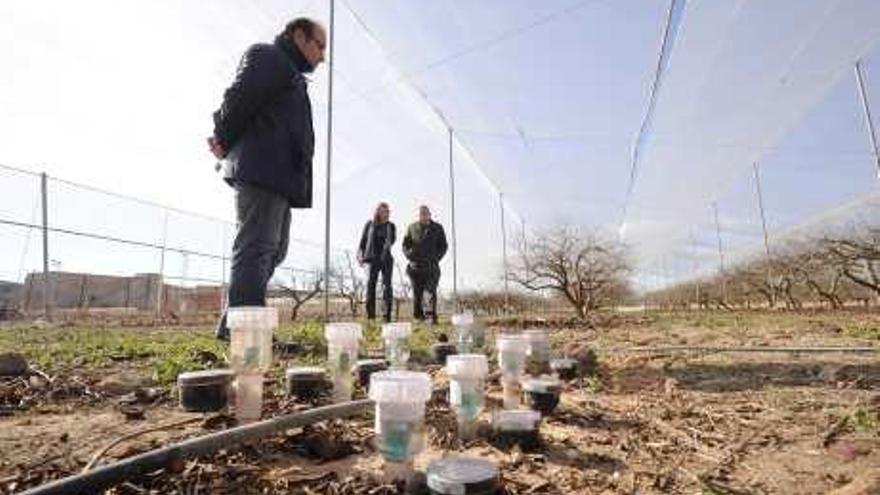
<point x="399" y="330"/>
<point x="516" y="419"/>
<point x="536" y="335"/>
<point x="463" y="319"/>
<point x="544" y="384"/>
<point x="467" y="365"/>
<point x="343" y="333"/>
<point x="511" y="342"/>
<point x="252" y="317"/>
<point x="400" y="386"/>
<point x="307" y="371"/>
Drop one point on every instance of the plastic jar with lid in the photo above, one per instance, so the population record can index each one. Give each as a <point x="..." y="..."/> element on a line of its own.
<point x="400" y="398"/>
<point x="512" y="350"/>
<point x="343" y="341"/>
<point x="467" y="376"/>
<point x="396" y="338"/>
<point x="538" y="355"/>
<point x="463" y="324"/>
<point x="250" y="336"/>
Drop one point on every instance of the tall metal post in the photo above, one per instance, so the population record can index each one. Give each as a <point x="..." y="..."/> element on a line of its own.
<point x="504" y="254"/>
<point x="160" y="285"/>
<point x="764" y="230"/>
<point x="866" y="108"/>
<point x="696" y="268"/>
<point x="47" y="282"/>
<point x="720" y="253"/>
<point x="223" y="290"/>
<point x="454" y="237"/>
<point x="332" y="57"/>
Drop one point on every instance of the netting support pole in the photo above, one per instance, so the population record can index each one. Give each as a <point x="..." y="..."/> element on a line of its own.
<point x="454" y="237"/>
<point x="332" y="57"/>
<point x="160" y="284"/>
<point x="866" y="108"/>
<point x="720" y="254"/>
<point x="504" y="255"/>
<point x="47" y="281"/>
<point x="223" y="290"/>
<point x="696" y="268"/>
<point x="764" y="230"/>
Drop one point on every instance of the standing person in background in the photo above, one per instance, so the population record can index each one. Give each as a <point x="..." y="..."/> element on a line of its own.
<point x="263" y="130"/>
<point x="378" y="236"/>
<point x="424" y="246"/>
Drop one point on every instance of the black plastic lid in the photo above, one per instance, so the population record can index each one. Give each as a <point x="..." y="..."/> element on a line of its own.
<point x="462" y="476"/>
<point x="205" y="377"/>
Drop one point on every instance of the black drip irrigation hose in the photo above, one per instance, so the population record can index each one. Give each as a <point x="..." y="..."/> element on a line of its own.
<point x="104" y="477"/>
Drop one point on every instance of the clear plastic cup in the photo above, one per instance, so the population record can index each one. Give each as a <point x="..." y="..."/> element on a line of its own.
<point x="467" y="376"/>
<point x="512" y="349"/>
<point x="396" y="337"/>
<point x="343" y="340"/>
<point x="464" y="337"/>
<point x="538" y="355"/>
<point x="250" y="337"/>
<point x="248" y="396"/>
<point x="400" y="398"/>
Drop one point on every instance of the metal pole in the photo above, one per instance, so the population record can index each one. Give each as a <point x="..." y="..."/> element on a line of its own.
<point x="160" y="285"/>
<point x="332" y="57"/>
<point x="764" y="230"/>
<point x="223" y="291"/>
<point x="872" y="133"/>
<point x="47" y="283"/>
<point x="504" y="254"/>
<point x="720" y="253"/>
<point x="454" y="238"/>
<point x="696" y="269"/>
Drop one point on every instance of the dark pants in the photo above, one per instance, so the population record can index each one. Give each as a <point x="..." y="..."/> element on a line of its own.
<point x="424" y="278"/>
<point x="386" y="268"/>
<point x="260" y="246"/>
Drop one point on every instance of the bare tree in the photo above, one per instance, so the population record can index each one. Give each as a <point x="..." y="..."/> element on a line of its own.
<point x="349" y="284"/>
<point x="302" y="296"/>
<point x="587" y="270"/>
<point x="857" y="257"/>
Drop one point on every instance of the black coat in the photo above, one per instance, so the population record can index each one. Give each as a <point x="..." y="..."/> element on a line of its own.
<point x="265" y="123"/>
<point x="370" y="250"/>
<point x="425" y="244"/>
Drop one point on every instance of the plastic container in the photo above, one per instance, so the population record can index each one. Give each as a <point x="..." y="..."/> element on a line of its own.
<point x="565" y="368"/>
<point x="517" y="427"/>
<point x="343" y="340"/>
<point x="542" y="394"/>
<point x="248" y="396"/>
<point x="478" y="329"/>
<point x="462" y="476"/>
<point x="305" y="382"/>
<point x="204" y="391"/>
<point x="464" y="337"/>
<point x="250" y="342"/>
<point x="512" y="350"/>
<point x="467" y="376"/>
<point x="400" y="398"/>
<point x="396" y="337"/>
<point x="538" y="354"/>
<point x="366" y="367"/>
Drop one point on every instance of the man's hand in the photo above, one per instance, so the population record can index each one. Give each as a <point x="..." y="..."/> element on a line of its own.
<point x="215" y="148"/>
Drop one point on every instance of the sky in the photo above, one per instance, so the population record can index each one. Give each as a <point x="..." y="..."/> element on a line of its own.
<point x="545" y="100"/>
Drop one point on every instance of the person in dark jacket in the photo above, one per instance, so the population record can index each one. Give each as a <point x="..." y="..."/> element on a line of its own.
<point x="263" y="131"/>
<point x="378" y="236"/>
<point x="424" y="246"/>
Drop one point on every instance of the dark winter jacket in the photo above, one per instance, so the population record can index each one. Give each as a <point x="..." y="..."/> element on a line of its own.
<point x="376" y="242"/>
<point x="265" y="123"/>
<point x="425" y="244"/>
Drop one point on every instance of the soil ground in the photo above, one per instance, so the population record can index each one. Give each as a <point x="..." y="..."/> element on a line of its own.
<point x="644" y="422"/>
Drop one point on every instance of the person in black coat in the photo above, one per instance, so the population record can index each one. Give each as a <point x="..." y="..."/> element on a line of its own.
<point x="378" y="236"/>
<point x="263" y="131"/>
<point x="424" y="245"/>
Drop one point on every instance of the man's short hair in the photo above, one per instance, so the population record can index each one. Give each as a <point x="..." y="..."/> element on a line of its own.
<point x="304" y="24"/>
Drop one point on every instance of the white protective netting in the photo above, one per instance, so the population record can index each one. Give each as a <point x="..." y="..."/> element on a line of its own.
<point x="546" y="101"/>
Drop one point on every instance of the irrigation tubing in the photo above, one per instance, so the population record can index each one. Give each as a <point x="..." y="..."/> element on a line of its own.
<point x="104" y="477"/>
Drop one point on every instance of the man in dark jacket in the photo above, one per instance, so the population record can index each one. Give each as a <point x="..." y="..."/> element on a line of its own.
<point x="424" y="246"/>
<point x="263" y="130"/>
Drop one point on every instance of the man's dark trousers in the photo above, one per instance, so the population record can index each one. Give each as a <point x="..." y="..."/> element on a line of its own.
<point x="386" y="268"/>
<point x="260" y="246"/>
<point x="424" y="278"/>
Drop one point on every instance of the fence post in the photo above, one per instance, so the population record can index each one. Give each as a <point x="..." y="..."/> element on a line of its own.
<point x="47" y="282"/>
<point x="160" y="283"/>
